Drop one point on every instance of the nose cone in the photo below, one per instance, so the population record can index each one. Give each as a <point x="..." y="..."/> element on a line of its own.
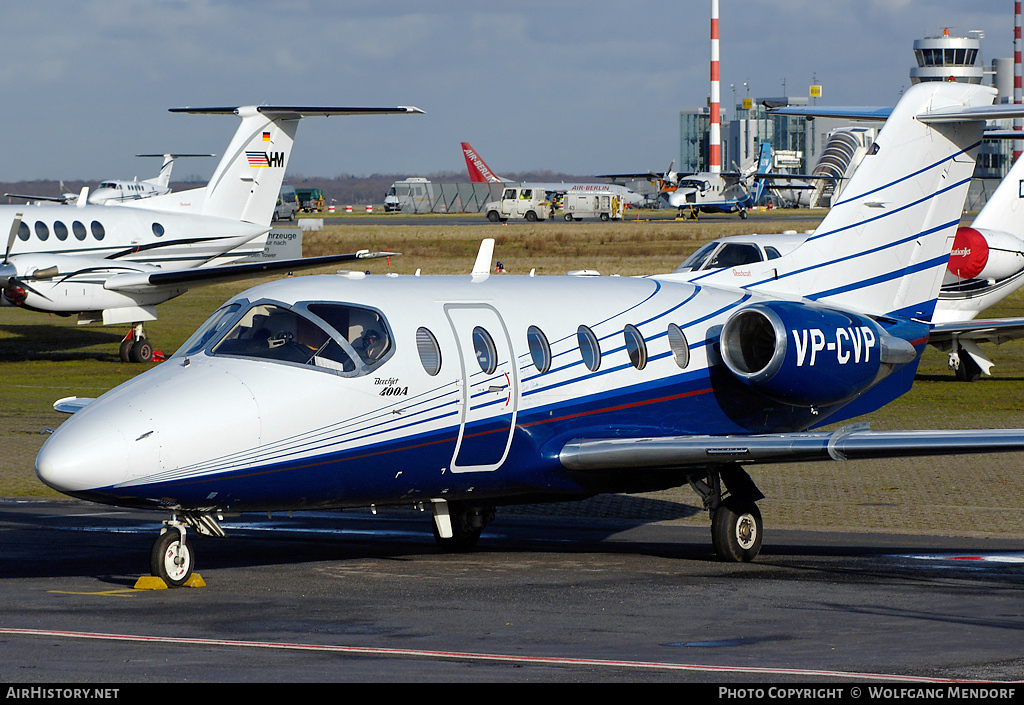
<point x="154" y="429"/>
<point x="80" y="457"/>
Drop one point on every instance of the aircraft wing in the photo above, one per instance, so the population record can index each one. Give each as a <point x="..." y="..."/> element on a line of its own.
<point x="57" y="199"/>
<point x="852" y="442"/>
<point x="643" y="175"/>
<point x="994" y="330"/>
<point x="938" y="115"/>
<point x="141" y="281"/>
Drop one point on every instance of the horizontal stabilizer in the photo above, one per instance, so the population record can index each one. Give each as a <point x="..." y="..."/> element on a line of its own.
<point x="141" y="281"/>
<point x="293" y="112"/>
<point x="850" y="442"/>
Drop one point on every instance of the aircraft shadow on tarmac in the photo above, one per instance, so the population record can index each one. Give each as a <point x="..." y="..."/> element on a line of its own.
<point x="52" y="542"/>
<point x="47" y="342"/>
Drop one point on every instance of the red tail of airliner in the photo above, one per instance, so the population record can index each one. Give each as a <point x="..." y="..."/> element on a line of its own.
<point x="479" y="172"/>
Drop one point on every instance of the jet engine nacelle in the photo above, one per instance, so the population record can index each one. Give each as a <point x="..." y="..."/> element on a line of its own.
<point x="807" y="355"/>
<point x="984" y="254"/>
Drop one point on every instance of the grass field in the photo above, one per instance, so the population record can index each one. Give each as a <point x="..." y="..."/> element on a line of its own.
<point x="44" y="358"/>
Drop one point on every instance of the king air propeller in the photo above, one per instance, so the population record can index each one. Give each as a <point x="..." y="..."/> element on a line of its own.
<point x="14" y="289"/>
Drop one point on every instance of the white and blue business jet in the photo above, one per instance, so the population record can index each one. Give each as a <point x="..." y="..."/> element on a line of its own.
<point x="465" y="393"/>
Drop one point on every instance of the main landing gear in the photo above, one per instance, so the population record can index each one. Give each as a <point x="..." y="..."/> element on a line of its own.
<point x="136" y="348"/>
<point x="736" y="526"/>
<point x="457" y="526"/>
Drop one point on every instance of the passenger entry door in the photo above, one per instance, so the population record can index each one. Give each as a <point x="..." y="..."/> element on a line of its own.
<point x="489" y="385"/>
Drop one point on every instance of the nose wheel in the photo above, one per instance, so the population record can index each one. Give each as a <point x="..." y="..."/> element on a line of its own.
<point x="172" y="559"/>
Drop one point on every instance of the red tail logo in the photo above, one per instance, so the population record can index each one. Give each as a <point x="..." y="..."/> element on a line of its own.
<point x="479" y="172"/>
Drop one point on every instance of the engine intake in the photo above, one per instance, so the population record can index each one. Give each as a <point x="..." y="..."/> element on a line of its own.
<point x="808" y="355"/>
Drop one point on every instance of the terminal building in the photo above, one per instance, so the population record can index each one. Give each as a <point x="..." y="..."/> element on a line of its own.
<point x="834" y="147"/>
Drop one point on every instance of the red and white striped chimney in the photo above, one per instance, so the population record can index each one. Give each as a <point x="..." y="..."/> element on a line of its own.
<point x="716" y="121"/>
<point x="1018" y="93"/>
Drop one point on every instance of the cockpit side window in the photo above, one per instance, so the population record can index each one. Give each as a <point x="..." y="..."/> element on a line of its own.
<point x="362" y="328"/>
<point x="734" y="255"/>
<point x="272" y="332"/>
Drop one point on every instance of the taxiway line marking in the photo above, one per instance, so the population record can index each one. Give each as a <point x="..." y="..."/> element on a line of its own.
<point x="467" y="656"/>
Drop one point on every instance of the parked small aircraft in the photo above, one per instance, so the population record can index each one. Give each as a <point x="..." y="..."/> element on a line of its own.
<point x="116" y="263"/>
<point x="467" y="393"/>
<point x="116" y="190"/>
<point x="479" y="172"/>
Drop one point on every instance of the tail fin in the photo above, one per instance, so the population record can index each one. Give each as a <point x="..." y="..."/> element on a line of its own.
<point x="1004" y="210"/>
<point x="246" y="182"/>
<point x="479" y="172"/>
<point x="764" y="166"/>
<point x="882" y="249"/>
<point x="163" y="177"/>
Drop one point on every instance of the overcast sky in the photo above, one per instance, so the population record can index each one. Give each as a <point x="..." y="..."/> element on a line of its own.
<point x="574" y="86"/>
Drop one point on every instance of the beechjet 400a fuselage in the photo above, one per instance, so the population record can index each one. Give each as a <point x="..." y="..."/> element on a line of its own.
<point x="466" y="393"/>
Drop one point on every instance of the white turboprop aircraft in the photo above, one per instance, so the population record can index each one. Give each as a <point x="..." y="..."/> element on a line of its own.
<point x="116" y="263"/>
<point x="465" y="393"/>
<point x="117" y="191"/>
<point x="479" y="172"/>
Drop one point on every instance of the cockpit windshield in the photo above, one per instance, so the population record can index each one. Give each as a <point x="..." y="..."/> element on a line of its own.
<point x="698" y="184"/>
<point x="696" y="260"/>
<point x="348" y="340"/>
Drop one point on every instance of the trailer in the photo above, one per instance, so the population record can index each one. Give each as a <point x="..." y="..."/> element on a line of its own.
<point x="577" y="206"/>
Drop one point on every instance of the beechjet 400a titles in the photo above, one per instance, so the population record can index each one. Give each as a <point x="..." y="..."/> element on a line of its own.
<point x="468" y="393"/>
<point x="115" y="263"/>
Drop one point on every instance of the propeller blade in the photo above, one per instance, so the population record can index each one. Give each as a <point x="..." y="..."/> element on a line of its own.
<point x="10" y="238"/>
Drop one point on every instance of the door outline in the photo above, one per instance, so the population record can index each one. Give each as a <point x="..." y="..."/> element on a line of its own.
<point x="469" y="315"/>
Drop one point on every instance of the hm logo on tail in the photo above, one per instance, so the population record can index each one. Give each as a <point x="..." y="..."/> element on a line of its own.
<point x="265" y="159"/>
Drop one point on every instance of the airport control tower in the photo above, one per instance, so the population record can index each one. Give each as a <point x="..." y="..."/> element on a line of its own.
<point x="946" y="58"/>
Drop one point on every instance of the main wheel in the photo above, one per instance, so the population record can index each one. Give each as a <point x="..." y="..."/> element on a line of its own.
<point x="968" y="370"/>
<point x="172" y="559"/>
<point x="468" y="523"/>
<point x="743" y="214"/>
<point x="141" y="351"/>
<point x="125" y="351"/>
<point x="736" y="531"/>
<point x="463" y="538"/>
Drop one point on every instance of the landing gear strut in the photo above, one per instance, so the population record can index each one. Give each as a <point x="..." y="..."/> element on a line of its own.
<point x="736" y="526"/>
